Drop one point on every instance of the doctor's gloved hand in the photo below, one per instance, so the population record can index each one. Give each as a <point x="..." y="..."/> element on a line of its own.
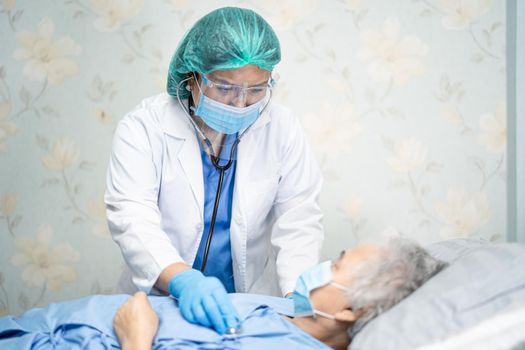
<point x="203" y="300"/>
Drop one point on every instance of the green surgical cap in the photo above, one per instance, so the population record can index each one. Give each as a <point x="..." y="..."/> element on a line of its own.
<point x="227" y="38"/>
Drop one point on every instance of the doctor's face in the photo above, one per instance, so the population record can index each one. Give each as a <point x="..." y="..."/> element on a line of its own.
<point x="225" y="86"/>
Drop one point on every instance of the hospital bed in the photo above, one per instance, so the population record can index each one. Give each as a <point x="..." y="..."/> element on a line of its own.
<point x="477" y="302"/>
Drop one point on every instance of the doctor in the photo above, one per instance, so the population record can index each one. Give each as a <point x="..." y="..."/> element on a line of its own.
<point x="210" y="187"/>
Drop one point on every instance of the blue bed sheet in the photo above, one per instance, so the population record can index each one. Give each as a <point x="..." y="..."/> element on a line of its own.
<point x="87" y="324"/>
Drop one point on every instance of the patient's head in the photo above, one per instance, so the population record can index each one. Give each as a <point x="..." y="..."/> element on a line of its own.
<point x="386" y="276"/>
<point x="376" y="278"/>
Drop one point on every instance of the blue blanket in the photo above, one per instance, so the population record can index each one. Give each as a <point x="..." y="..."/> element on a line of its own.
<point x="87" y="324"/>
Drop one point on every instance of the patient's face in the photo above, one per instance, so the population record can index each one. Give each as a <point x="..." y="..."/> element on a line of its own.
<point x="331" y="299"/>
<point x="342" y="266"/>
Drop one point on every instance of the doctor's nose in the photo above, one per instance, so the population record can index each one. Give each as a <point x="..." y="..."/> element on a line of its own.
<point x="239" y="100"/>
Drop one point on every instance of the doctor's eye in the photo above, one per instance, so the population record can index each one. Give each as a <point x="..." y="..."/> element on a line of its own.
<point x="223" y="88"/>
<point x="257" y="91"/>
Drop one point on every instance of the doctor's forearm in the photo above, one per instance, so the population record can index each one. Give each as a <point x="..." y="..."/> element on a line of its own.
<point x="167" y="274"/>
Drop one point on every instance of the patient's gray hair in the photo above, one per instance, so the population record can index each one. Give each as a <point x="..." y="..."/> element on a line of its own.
<point x="385" y="279"/>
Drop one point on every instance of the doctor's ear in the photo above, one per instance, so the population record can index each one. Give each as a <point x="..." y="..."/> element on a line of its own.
<point x="190" y="84"/>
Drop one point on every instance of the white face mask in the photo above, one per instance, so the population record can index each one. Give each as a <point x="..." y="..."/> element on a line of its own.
<point x="318" y="276"/>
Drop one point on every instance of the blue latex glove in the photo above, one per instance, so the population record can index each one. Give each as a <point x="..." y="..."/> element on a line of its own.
<point x="203" y="300"/>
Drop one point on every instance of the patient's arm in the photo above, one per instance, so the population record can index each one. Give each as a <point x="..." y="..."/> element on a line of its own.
<point x="136" y="323"/>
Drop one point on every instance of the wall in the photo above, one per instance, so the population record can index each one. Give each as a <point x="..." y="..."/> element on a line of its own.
<point x="519" y="101"/>
<point x="402" y="101"/>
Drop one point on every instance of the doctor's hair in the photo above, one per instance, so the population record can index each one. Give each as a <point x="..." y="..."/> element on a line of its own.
<point x="384" y="280"/>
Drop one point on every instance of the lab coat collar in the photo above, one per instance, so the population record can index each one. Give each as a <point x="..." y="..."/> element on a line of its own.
<point x="174" y="122"/>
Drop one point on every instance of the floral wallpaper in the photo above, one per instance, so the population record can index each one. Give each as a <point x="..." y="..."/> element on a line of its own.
<point x="402" y="101"/>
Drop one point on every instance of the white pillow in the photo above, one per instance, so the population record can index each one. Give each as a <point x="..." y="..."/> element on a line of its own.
<point x="503" y="331"/>
<point x="476" y="286"/>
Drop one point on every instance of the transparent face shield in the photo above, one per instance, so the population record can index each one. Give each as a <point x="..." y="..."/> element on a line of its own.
<point x="219" y="145"/>
<point x="235" y="95"/>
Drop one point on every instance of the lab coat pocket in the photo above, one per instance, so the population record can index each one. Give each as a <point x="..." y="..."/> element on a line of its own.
<point x="259" y="197"/>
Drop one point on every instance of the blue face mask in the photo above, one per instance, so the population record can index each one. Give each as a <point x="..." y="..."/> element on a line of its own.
<point x="316" y="277"/>
<point x="227" y="119"/>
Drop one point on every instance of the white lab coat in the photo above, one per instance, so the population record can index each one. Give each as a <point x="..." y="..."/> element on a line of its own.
<point x="155" y="198"/>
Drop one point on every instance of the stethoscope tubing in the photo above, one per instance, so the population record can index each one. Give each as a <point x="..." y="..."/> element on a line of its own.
<point x="222" y="169"/>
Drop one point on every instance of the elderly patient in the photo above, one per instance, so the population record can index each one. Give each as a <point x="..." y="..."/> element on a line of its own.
<point x="334" y="300"/>
<point x="331" y="302"/>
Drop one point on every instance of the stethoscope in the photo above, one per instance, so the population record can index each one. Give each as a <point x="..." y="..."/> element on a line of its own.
<point x="215" y="161"/>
